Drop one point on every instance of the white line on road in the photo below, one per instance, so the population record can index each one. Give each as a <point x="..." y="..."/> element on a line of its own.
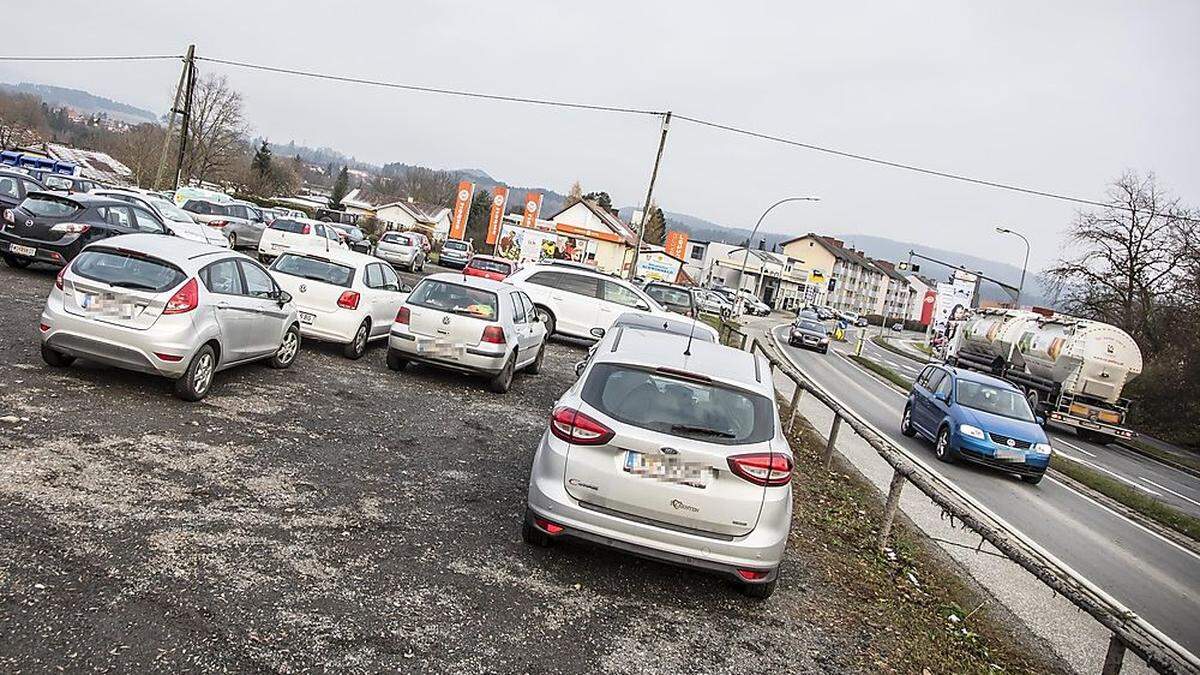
<point x="1111" y="473"/>
<point x="1162" y="487"/>
<point x="1071" y="445"/>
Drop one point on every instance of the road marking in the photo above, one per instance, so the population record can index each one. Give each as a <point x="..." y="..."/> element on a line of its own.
<point x="1163" y="487"/>
<point x="1071" y="445"/>
<point x="1111" y="473"/>
<point x="1119" y="516"/>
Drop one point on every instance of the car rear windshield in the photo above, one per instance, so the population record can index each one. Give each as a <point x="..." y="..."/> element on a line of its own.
<point x="670" y="296"/>
<point x="992" y="399"/>
<point x="671" y="404"/>
<point x="49" y="206"/>
<point x="127" y="270"/>
<point x="454" y="299"/>
<point x="314" y="268"/>
<point x="284" y="225"/>
<point x="455" y="245"/>
<point x="491" y="265"/>
<point x="397" y="238"/>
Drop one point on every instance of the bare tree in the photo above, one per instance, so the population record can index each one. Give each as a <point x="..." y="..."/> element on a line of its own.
<point x="428" y="185"/>
<point x="215" y="132"/>
<point x="139" y="149"/>
<point x="575" y="195"/>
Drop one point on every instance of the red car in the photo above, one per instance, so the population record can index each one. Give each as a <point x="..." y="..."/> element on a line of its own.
<point x="489" y="267"/>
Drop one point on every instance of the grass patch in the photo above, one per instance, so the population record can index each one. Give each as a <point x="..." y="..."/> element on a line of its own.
<point x="908" y="610"/>
<point x="723" y="326"/>
<point x="1191" y="462"/>
<point x="883" y="343"/>
<point x="1134" y="499"/>
<point x="882" y="371"/>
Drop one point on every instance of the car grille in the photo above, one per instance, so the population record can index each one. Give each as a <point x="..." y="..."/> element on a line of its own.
<point x="1003" y="440"/>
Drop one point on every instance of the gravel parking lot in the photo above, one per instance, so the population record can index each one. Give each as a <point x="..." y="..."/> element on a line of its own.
<point x="334" y="515"/>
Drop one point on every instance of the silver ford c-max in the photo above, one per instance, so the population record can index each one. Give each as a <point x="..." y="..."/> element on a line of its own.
<point x="168" y="306"/>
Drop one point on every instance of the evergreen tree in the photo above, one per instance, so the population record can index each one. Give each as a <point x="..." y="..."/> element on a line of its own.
<point x="601" y="198"/>
<point x="655" y="231"/>
<point x="340" y="187"/>
<point x="262" y="160"/>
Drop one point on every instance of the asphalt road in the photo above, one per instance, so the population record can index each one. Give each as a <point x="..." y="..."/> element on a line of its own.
<point x="1152" y="576"/>
<point x="1178" y="489"/>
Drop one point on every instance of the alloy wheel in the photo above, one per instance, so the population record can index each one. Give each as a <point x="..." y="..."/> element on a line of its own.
<point x="287" y="350"/>
<point x="202" y="378"/>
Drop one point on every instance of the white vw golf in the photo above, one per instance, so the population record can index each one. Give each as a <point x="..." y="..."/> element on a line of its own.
<point x="341" y="296"/>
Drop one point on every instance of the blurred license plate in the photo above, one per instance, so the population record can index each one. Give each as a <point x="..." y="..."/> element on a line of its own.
<point x="667" y="469"/>
<point x="1010" y="455"/>
<point x="22" y="250"/>
<point x="439" y="348"/>
<point x="306" y="318"/>
<point x="106" y="304"/>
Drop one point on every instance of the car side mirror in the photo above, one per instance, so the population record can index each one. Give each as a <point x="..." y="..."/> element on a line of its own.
<point x="405" y="288"/>
<point x="580" y="367"/>
<point x="391" y="287"/>
<point x="1041" y="421"/>
<point x="943" y="396"/>
<point x="284" y="298"/>
<point x="597" y="332"/>
<point x="642" y="305"/>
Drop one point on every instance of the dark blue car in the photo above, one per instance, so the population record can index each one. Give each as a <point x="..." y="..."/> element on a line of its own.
<point x="977" y="418"/>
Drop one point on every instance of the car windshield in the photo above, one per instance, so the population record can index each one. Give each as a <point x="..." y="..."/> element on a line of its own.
<point x="992" y="399"/>
<point x="127" y="270"/>
<point x="680" y="407"/>
<point x="49" y="206"/>
<point x="314" y="268"/>
<point x="352" y="232"/>
<point x="490" y="265"/>
<point x="810" y="326"/>
<point x="286" y="225"/>
<point x="57" y="182"/>
<point x="455" y="245"/>
<point x="454" y="299"/>
<point x="670" y="296"/>
<point x="171" y="212"/>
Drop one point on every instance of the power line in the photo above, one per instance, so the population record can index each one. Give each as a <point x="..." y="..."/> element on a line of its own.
<point x="433" y="90"/>
<point x="81" y="59"/>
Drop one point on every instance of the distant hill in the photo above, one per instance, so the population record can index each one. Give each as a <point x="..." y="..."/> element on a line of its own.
<point x="82" y="101"/>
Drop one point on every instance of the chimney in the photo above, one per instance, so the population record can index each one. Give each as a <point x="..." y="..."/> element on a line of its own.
<point x="836" y="242"/>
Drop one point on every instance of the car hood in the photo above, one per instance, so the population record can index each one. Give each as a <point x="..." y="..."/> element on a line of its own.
<point x="805" y="331"/>
<point x="1005" y="426"/>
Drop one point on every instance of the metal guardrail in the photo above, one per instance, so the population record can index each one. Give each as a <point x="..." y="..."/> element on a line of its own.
<point x="1129" y="631"/>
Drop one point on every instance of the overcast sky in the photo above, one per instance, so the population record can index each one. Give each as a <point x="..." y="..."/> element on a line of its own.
<point x="1059" y="96"/>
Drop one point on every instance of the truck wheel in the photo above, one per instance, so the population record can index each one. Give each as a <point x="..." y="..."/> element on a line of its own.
<point x="1033" y="480"/>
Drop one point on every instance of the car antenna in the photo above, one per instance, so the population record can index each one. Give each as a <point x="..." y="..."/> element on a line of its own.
<point x="688" y="350"/>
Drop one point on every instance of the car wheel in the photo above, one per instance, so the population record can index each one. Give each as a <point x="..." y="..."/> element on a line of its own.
<point x="197" y="379"/>
<point x="942" y="448"/>
<point x="825" y="350"/>
<point x="536" y="367"/>
<point x="531" y="535"/>
<point x="55" y="358"/>
<point x="906" y="426"/>
<point x="17" y="262"/>
<point x="547" y="320"/>
<point x="232" y="241"/>
<point x="288" y="349"/>
<point x="395" y="361"/>
<point x="760" y="591"/>
<point x="358" y="346"/>
<point x="503" y="380"/>
<point x="1033" y="480"/>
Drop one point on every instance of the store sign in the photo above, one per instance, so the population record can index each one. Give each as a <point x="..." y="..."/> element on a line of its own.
<point x="657" y="267"/>
<point x="533" y="207"/>
<point x="462" y="209"/>
<point x="496" y="215"/>
<point x="676" y="244"/>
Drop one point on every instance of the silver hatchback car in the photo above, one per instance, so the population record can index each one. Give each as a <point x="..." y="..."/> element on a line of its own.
<point x="168" y="306"/>
<point x="401" y="249"/>
<point x="669" y="449"/>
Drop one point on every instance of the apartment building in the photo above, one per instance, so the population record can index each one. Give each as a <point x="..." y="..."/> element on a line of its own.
<point x="853" y="283"/>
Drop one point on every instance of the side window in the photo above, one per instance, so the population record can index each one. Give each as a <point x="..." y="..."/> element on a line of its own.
<point x="197" y="207"/>
<point x="223" y="277"/>
<point x="518" y="308"/>
<point x="578" y="284"/>
<point x="614" y="292"/>
<point x="547" y="279"/>
<point x="374" y="276"/>
<point x="320" y="230"/>
<point x="117" y="216"/>
<point x="8" y="187"/>
<point x="255" y="214"/>
<point x="146" y="222"/>
<point x="935" y="378"/>
<point x="390" y="281"/>
<point x="258" y="283"/>
<point x="923" y="378"/>
<point x="30" y="186"/>
<point x="943" y="388"/>
<point x="530" y="312"/>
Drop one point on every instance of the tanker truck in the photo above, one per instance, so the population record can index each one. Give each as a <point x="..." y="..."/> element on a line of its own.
<point x="1072" y="370"/>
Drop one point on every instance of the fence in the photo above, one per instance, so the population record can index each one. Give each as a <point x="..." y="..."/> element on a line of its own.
<point x="1129" y="631"/>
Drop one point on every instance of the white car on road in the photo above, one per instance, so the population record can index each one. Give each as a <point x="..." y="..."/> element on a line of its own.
<point x="298" y="234"/>
<point x="468" y="324"/>
<point x="573" y="301"/>
<point x="669" y="449"/>
<point x="341" y="296"/>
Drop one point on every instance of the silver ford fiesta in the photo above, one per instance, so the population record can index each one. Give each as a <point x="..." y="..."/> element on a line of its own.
<point x="168" y="306"/>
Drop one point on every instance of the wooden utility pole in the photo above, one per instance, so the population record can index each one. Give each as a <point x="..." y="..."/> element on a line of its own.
<point x="190" y="68"/>
<point x="176" y="108"/>
<point x="662" y="141"/>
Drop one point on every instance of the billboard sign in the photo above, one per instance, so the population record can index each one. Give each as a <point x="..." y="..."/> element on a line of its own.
<point x="496" y="215"/>
<point x="676" y="244"/>
<point x="462" y="209"/>
<point x="952" y="305"/>
<point x="655" y="266"/>
<point x="533" y="207"/>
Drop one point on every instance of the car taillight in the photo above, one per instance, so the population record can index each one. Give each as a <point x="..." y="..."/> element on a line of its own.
<point x="71" y="228"/>
<point x="575" y="427"/>
<point x="58" y="280"/>
<point x="403" y="315"/>
<point x="547" y="526"/>
<point x="348" y="299"/>
<point x="185" y="299"/>
<point x="217" y="223"/>
<point x="762" y="468"/>
<point x="307" y="229"/>
<point x="753" y="575"/>
<point x="493" y="335"/>
<point x="8" y="215"/>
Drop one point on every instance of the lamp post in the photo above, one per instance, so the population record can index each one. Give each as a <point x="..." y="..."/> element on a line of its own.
<point x="749" y="242"/>
<point x="1021" y="286"/>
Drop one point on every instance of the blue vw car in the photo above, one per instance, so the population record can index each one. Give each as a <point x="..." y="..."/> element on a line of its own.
<point x="977" y="418"/>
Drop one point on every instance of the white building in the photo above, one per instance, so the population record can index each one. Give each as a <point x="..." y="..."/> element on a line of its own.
<point x="411" y="215"/>
<point x="777" y="279"/>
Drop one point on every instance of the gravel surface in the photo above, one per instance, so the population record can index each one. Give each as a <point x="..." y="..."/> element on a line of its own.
<point x="339" y="516"/>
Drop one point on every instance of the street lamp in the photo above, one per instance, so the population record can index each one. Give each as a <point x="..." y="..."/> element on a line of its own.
<point x="1021" y="286"/>
<point x="746" y="258"/>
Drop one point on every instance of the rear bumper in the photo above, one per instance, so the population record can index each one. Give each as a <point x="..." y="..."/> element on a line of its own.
<point x="396" y="257"/>
<point x="452" y="262"/>
<point x="55" y="253"/>
<point x="1101" y="427"/>
<point x="762" y="549"/>
<point x="329" y="327"/>
<point x="474" y="359"/>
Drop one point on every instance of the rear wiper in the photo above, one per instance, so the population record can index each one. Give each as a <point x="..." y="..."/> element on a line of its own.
<point x="134" y="285"/>
<point x="687" y="429"/>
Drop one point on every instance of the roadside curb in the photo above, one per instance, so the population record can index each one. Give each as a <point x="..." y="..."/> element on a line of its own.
<point x="885" y="343"/>
<point x="1161" y="460"/>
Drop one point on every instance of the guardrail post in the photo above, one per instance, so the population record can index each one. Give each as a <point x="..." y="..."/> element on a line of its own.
<point x="1115" y="656"/>
<point x="889" y="509"/>
<point x="833" y="434"/>
<point x="795" y="408"/>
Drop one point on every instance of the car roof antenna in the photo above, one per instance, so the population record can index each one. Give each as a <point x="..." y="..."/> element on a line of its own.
<point x="688" y="350"/>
